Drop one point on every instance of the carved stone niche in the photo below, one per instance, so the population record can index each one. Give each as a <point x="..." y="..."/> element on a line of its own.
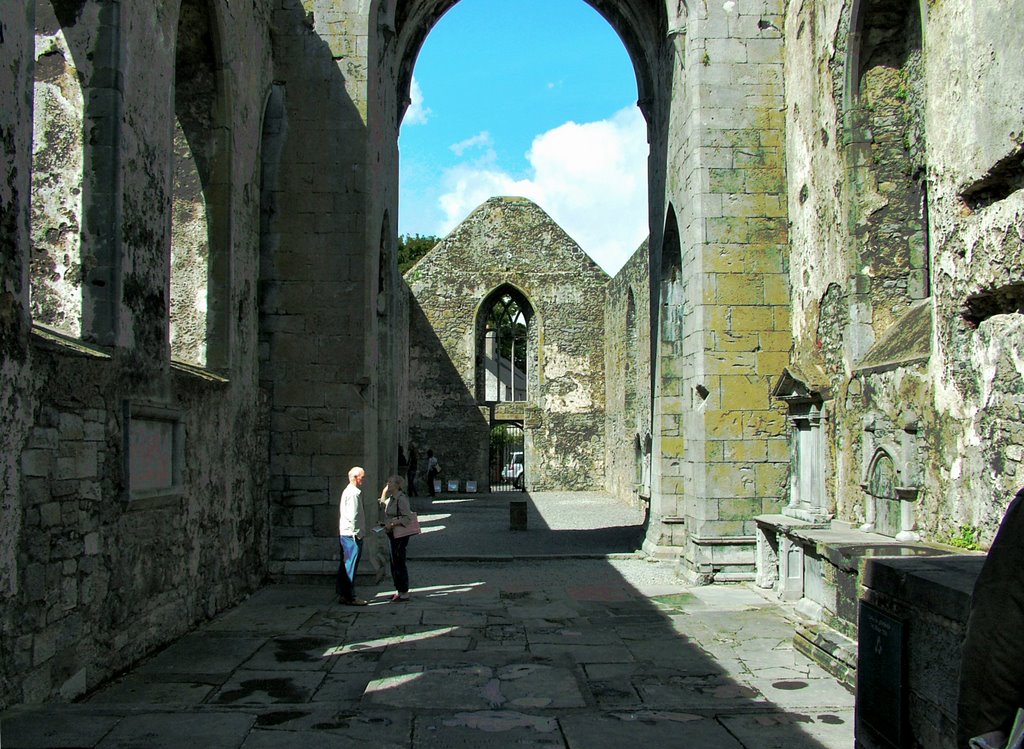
<point x="891" y="476"/>
<point x="807" y="413"/>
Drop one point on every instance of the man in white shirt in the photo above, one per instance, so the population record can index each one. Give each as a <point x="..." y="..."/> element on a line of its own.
<point x="350" y="535"/>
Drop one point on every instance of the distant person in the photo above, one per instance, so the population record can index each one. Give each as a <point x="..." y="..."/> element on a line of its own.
<point x="350" y="536"/>
<point x="992" y="659"/>
<point x="395" y="509"/>
<point x="411" y="472"/>
<point x="432" y="470"/>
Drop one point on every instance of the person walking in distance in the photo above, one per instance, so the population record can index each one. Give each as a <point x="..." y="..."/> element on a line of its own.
<point x="350" y="536"/>
<point x="411" y="474"/>
<point x="432" y="471"/>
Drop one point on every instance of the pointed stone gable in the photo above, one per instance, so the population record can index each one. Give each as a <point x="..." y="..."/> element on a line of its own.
<point x="504" y="234"/>
<point x="510" y="246"/>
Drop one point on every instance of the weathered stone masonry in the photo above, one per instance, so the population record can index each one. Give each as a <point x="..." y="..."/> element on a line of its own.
<point x="628" y="438"/>
<point x="720" y="273"/>
<point x="97" y="571"/>
<point x="835" y="212"/>
<point x="509" y="243"/>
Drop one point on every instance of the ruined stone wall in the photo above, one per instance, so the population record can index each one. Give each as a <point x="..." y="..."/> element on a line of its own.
<point x="628" y="437"/>
<point x="976" y="221"/>
<point x="955" y="159"/>
<point x="510" y="242"/>
<point x="112" y="550"/>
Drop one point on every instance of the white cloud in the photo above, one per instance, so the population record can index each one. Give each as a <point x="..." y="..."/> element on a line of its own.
<point x="479" y="140"/>
<point x="591" y="179"/>
<point x="416" y="114"/>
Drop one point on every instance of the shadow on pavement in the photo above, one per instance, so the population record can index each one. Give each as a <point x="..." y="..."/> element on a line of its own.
<point x="567" y="653"/>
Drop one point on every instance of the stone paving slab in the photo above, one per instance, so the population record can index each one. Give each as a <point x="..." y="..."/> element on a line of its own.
<point x="168" y="731"/>
<point x="668" y="728"/>
<point x="472" y="686"/>
<point x="567" y="654"/>
<point x="54" y="727"/>
<point x="247" y="687"/>
<point x="138" y="688"/>
<point x="492" y="729"/>
<point x="813" y="730"/>
<point x="203" y="652"/>
<point x="323" y="724"/>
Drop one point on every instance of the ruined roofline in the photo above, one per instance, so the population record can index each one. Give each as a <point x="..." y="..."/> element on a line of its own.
<point x="521" y="203"/>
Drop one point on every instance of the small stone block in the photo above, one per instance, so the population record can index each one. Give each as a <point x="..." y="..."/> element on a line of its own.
<point x="517" y="515"/>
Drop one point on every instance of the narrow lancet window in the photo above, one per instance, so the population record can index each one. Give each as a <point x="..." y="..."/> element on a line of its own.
<point x="505" y="351"/>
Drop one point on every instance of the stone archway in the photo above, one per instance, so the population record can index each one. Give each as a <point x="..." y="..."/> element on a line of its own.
<point x="710" y="86"/>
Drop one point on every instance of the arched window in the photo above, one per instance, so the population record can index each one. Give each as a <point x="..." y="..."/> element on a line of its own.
<point x="57" y="176"/>
<point x="888" y="156"/>
<point x="671" y="280"/>
<point x="630" y="355"/>
<point x="199" y="210"/>
<point x="503" y="347"/>
<point x="638" y="464"/>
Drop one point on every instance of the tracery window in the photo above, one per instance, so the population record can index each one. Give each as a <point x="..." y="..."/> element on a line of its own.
<point x="505" y="351"/>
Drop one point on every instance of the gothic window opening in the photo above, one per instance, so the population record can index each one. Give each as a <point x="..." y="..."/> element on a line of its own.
<point x="645" y="470"/>
<point x="638" y="464"/>
<point x="504" y="352"/>
<point x="671" y="280"/>
<point x="57" y="178"/>
<point x="889" y="158"/>
<point x="198" y="262"/>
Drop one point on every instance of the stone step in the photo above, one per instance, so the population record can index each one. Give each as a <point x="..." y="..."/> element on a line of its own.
<point x="833" y="651"/>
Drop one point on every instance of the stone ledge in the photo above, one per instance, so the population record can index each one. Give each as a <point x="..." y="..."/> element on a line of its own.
<point x="831" y="650"/>
<point x="940" y="585"/>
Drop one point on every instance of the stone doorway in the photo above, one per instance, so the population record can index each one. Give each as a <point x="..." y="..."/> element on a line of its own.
<point x="507" y="466"/>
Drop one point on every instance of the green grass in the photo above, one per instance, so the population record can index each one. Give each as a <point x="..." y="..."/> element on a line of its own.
<point x="967" y="537"/>
<point x="676" y="600"/>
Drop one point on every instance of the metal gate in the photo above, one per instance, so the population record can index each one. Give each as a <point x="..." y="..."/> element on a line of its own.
<point x="507" y="467"/>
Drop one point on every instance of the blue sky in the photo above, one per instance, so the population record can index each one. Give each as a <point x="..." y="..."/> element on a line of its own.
<point x="527" y="97"/>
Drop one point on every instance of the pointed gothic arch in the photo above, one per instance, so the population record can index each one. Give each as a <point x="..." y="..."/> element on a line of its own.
<point x="505" y="338"/>
<point x="670" y="277"/>
<point x="58" y="171"/>
<point x="887" y="160"/>
<point x="200" y="238"/>
<point x="641" y="31"/>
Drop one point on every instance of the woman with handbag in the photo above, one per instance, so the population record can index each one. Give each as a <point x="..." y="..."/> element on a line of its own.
<point x="401" y="523"/>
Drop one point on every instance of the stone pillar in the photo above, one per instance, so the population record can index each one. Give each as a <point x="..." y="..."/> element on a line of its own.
<point x="319" y="286"/>
<point x="722" y="447"/>
<point x="15" y="205"/>
<point x="103" y="193"/>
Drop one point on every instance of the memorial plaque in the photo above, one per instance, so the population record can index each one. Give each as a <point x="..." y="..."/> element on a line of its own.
<point x="881" y="676"/>
<point x="154" y="451"/>
<point x="151" y="454"/>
